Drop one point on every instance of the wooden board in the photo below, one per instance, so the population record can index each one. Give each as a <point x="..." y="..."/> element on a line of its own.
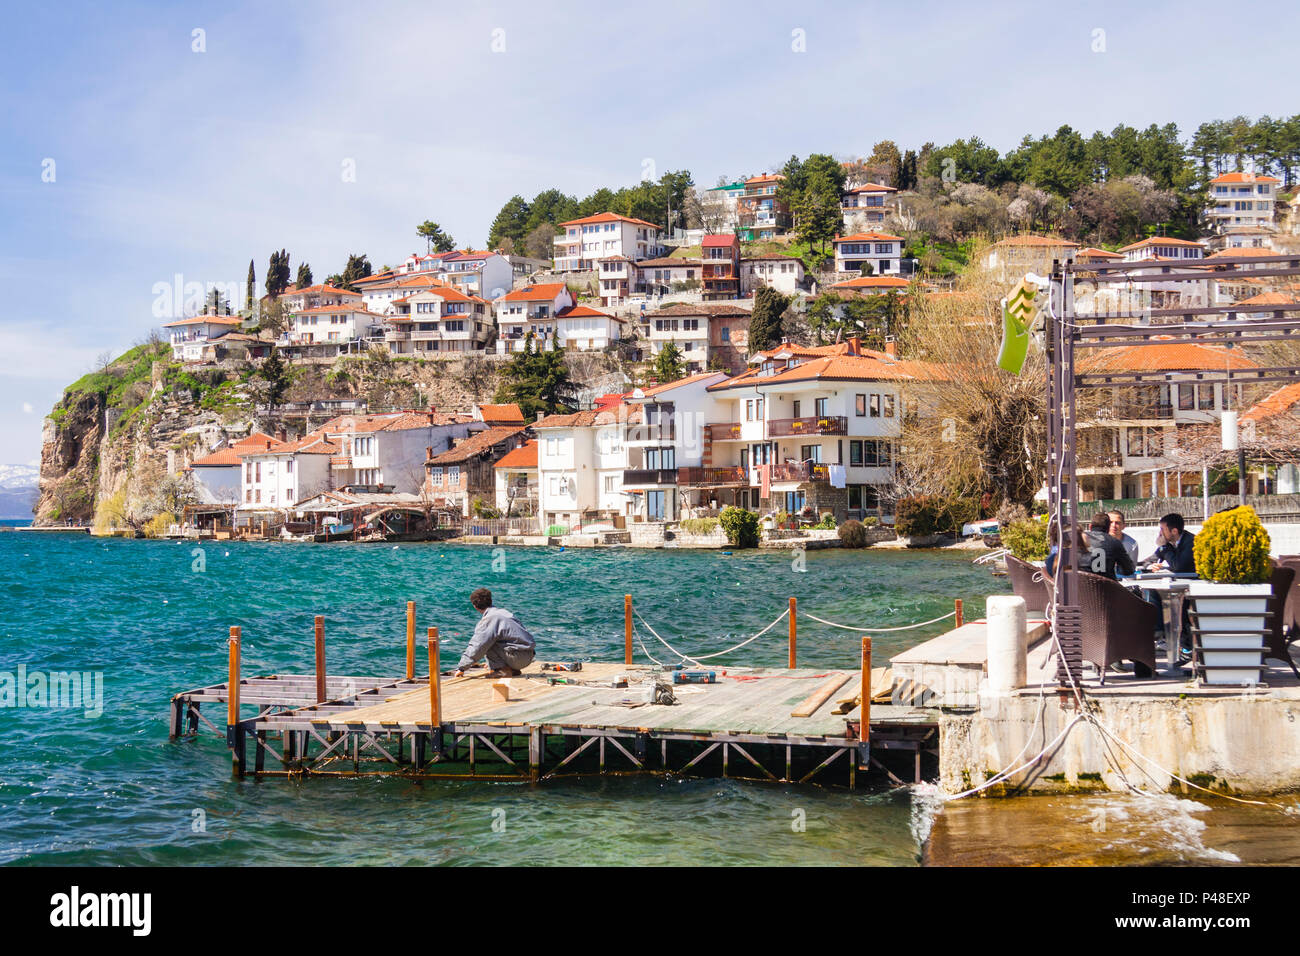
<point x="818" y="697"/>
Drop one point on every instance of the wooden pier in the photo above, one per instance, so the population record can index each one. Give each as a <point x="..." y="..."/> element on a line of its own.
<point x="793" y="724"/>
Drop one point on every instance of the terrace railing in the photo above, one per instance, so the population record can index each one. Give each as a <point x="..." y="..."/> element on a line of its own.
<point x="702" y="476"/>
<point x="813" y="425"/>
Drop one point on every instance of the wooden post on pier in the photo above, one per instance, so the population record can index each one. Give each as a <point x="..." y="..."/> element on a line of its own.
<point x="793" y="631"/>
<point x="863" y="732"/>
<point x="232" y="688"/>
<point x="410" y="640"/>
<point x="435" y="689"/>
<point x="320" y="659"/>
<point x="627" y="629"/>
<point x="961" y="618"/>
<point x="234" y="730"/>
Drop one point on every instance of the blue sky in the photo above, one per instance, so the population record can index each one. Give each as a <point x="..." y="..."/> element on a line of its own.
<point x="169" y="161"/>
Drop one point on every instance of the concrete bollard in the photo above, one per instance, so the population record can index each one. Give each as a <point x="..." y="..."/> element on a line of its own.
<point x="1008" y="642"/>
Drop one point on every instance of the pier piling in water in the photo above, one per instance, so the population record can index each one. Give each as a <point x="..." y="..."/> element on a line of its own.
<point x="627" y="629"/>
<point x="793" y="632"/>
<point x="320" y="659"/>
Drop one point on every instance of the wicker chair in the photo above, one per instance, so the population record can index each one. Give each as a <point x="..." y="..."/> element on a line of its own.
<point x="1029" y="583"/>
<point x="1117" y="624"/>
<point x="1279" y="636"/>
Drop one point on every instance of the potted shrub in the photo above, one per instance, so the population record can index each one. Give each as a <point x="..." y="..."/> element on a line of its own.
<point x="1230" y="600"/>
<point x="783" y="519"/>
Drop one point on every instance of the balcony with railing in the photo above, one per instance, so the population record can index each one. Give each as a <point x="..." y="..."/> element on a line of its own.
<point x="1141" y="411"/>
<point x="795" y="471"/>
<point x="712" y="476"/>
<point x="813" y="425"/>
<point x="649" y="477"/>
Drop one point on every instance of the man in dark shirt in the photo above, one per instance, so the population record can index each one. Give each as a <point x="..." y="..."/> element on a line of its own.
<point x="1174" y="545"/>
<point x="1106" y="554"/>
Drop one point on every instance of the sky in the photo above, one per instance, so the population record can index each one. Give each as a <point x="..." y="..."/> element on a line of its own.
<point x="146" y="146"/>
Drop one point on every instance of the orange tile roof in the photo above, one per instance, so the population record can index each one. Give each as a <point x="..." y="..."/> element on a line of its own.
<point x="1269" y="298"/>
<point x="525" y="456"/>
<point x="1243" y="178"/>
<point x="1241" y="252"/>
<point x="607" y="217"/>
<point x="1092" y="252"/>
<point x="1161" y="241"/>
<point x="584" y="311"/>
<point x="543" y="292"/>
<point x="510" y="414"/>
<point x="229" y="455"/>
<point x="1276" y="403"/>
<point x="313" y="443"/>
<point x="857" y="368"/>
<point x="200" y="319"/>
<point x="476" y="444"/>
<point x="765" y="178"/>
<point x="872" y="188"/>
<point x="870" y="237"/>
<point x="873" y="282"/>
<point x="697" y="377"/>
<point x="390" y="422"/>
<point x="1166" y="357"/>
<point x="319" y="288"/>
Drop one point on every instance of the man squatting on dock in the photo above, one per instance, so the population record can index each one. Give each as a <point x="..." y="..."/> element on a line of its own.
<point x="499" y="637"/>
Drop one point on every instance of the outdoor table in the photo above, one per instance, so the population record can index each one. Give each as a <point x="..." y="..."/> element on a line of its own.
<point x="1172" y="589"/>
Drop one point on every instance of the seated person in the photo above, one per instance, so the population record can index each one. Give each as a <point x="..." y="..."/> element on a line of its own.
<point x="1174" y="546"/>
<point x="499" y="637"/>
<point x="1106" y="554"/>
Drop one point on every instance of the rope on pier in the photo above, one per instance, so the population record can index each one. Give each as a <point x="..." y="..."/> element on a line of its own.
<point x="704" y="657"/>
<point x="879" y="630"/>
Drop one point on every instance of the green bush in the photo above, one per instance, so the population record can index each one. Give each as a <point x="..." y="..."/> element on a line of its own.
<point x="870" y="521"/>
<point x="1233" y="548"/>
<point x="853" y="534"/>
<point x="1026" y="539"/>
<point x="699" y="525"/>
<point x="827" y="523"/>
<point x="741" y="526"/>
<point x="934" y="514"/>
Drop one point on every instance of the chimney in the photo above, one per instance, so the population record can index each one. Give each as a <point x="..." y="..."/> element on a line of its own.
<point x="855" y="346"/>
<point x="280" y="435"/>
<point x="891" y="348"/>
<point x="428" y="452"/>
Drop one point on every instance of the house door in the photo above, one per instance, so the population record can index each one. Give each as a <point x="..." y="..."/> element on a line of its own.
<point x="654" y="505"/>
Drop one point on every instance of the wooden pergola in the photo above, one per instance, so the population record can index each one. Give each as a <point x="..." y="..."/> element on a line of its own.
<point x="1068" y="330"/>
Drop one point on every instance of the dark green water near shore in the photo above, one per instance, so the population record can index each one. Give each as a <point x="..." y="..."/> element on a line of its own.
<point x="152" y="617"/>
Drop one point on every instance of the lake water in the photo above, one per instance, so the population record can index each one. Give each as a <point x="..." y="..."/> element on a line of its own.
<point x="152" y="616"/>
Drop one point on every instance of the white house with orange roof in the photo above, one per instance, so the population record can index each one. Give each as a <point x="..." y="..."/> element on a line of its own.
<point x="282" y="473"/>
<point x="663" y="441"/>
<point x="585" y="329"/>
<point x="872" y="285"/>
<point x="1162" y="247"/>
<point x="217" y="475"/>
<point x="516" y="481"/>
<point x="439" y="319"/>
<point x="332" y="325"/>
<point x="1277" y="407"/>
<point x="590" y="239"/>
<point x="810" y="427"/>
<point x="529" y="310"/>
<point x="382" y="292"/>
<point x="1164" y="255"/>
<point x="882" y="252"/>
<point x="321" y="294"/>
<point x="1241" y="201"/>
<point x="189" y="337"/>
<point x="866" y="207"/>
<point x="580" y="460"/>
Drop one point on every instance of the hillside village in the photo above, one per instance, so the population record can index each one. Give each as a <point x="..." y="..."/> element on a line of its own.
<point x="763" y="349"/>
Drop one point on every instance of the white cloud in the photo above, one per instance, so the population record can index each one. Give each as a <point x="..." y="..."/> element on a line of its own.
<point x="27" y="408"/>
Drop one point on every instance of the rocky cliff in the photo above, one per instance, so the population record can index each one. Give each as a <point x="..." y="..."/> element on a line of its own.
<point x="113" y="445"/>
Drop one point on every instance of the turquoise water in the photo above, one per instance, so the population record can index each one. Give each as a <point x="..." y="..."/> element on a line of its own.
<point x="113" y="790"/>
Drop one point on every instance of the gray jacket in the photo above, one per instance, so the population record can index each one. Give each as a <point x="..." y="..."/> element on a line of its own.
<point x="496" y="628"/>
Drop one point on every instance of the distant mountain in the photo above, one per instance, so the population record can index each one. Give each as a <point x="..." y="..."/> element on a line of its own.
<point x="18" y="490"/>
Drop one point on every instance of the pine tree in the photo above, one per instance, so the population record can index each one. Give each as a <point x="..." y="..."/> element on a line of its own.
<point x="537" y="380"/>
<point x="277" y="375"/>
<point x="668" y="365"/>
<point x="765" y="321"/>
<point x="432" y="233"/>
<point x="277" y="273"/>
